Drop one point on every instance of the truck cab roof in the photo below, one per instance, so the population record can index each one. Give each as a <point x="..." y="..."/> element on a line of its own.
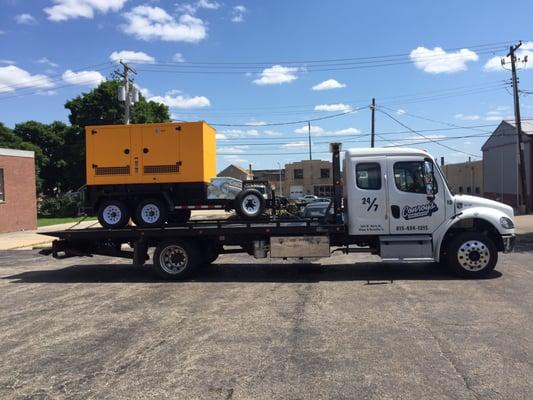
<point x="385" y="151"/>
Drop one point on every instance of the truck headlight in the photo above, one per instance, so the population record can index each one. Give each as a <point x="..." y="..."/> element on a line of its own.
<point x="506" y="223"/>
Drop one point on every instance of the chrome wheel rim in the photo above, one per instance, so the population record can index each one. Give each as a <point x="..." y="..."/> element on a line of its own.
<point x="112" y="214"/>
<point x="150" y="213"/>
<point x="473" y="255"/>
<point x="250" y="205"/>
<point x="173" y="259"/>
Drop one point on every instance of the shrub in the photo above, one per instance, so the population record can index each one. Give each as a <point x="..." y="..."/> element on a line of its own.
<point x="65" y="205"/>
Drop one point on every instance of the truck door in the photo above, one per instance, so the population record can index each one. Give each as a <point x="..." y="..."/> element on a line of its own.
<point x="366" y="193"/>
<point x="412" y="211"/>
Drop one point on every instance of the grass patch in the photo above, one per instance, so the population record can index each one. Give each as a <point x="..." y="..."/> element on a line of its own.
<point x="47" y="221"/>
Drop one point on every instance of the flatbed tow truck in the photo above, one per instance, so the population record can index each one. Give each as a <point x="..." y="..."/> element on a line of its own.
<point x="391" y="202"/>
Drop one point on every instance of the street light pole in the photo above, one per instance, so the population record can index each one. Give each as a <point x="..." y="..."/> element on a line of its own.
<point x="280" y="187"/>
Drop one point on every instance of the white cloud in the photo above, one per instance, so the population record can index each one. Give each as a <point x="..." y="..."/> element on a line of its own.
<point x="178" y="57"/>
<point x="334" y="107"/>
<point x="4" y="61"/>
<point x="400" y="111"/>
<point x="25" y="19"/>
<point x="84" y="78"/>
<point x="256" y="123"/>
<point x="132" y="56"/>
<point x="494" y="64"/>
<point x="328" y="85"/>
<point x="240" y="133"/>
<point x="63" y="10"/>
<point x="221" y="136"/>
<point x="12" y="78"/>
<point x="46" y="61"/>
<point x="191" y="8"/>
<point x="272" y="133"/>
<point x="144" y="91"/>
<point x="466" y="117"/>
<point x="154" y="23"/>
<point x="237" y="14"/>
<point x="276" y="75"/>
<point x="347" y="131"/>
<point x="181" y="101"/>
<point x="438" y="61"/>
<point x="232" y="149"/>
<point x="296" y="145"/>
<point x="305" y="129"/>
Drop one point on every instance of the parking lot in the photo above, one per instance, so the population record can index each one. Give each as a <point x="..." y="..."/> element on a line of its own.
<point x="247" y="329"/>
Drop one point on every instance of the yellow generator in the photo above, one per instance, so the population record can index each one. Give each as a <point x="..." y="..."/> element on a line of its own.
<point x="151" y="173"/>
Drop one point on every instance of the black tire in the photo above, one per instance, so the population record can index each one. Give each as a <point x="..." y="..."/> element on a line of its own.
<point x="151" y="213"/>
<point x="176" y="259"/>
<point x="179" y="216"/>
<point x="113" y="214"/>
<point x="471" y="255"/>
<point x="250" y="203"/>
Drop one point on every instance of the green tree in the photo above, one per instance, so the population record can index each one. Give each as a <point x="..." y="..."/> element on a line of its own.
<point x="101" y="106"/>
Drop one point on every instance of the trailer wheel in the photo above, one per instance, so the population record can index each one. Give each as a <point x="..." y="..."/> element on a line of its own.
<point x="176" y="259"/>
<point x="113" y="214"/>
<point x="151" y="213"/>
<point x="471" y="255"/>
<point x="250" y="203"/>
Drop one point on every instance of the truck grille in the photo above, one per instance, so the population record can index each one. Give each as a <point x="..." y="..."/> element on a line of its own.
<point x="112" y="170"/>
<point x="161" y="169"/>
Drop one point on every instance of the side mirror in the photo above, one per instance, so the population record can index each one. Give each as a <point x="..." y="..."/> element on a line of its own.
<point x="429" y="179"/>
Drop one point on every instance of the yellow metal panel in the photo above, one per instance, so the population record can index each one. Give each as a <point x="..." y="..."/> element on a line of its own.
<point x="108" y="155"/>
<point x="163" y="153"/>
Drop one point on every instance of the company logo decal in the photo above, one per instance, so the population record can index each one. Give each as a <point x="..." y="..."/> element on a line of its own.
<point x="419" y="211"/>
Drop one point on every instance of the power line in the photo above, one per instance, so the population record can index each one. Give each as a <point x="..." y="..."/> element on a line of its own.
<point x="426" y="137"/>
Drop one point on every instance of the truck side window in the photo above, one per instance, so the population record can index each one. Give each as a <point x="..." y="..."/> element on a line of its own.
<point x="368" y="176"/>
<point x="409" y="177"/>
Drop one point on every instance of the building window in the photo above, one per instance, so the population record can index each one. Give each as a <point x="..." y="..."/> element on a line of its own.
<point x="468" y="189"/>
<point x="368" y="176"/>
<point x="477" y="190"/>
<point x="2" y="193"/>
<point x="409" y="177"/>
<point x="324" y="173"/>
<point x="460" y="189"/>
<point x="298" y="173"/>
<point x="323" y="191"/>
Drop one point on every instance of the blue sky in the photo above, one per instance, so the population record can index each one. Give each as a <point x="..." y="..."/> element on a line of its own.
<point x="253" y="63"/>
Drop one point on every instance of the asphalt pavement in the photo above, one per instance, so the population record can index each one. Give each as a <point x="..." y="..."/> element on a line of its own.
<point x="97" y="328"/>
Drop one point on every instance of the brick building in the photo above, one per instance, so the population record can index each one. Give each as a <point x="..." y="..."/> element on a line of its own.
<point x="234" y="171"/>
<point x="275" y="178"/>
<point x="465" y="177"/>
<point x="18" y="201"/>
<point x="308" y="177"/>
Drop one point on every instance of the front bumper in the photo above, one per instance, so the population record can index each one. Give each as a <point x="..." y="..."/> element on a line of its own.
<point x="508" y="243"/>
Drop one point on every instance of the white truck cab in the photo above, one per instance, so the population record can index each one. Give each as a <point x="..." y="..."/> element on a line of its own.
<point x="399" y="198"/>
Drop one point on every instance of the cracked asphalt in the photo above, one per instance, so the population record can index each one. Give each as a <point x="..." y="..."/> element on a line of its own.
<point x="97" y="328"/>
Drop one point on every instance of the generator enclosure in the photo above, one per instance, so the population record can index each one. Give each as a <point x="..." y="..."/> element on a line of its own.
<point x="160" y="153"/>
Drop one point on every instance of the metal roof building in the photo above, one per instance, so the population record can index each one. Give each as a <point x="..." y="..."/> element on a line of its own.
<point x="500" y="163"/>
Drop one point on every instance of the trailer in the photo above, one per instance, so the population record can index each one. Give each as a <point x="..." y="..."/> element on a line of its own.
<point x="394" y="203"/>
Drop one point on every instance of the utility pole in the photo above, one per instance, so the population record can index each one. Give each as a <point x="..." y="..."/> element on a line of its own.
<point x="518" y="124"/>
<point x="309" y="129"/>
<point x="128" y="99"/>
<point x="373" y="123"/>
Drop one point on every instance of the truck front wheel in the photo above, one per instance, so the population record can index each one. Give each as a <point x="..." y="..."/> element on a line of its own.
<point x="176" y="259"/>
<point x="471" y="255"/>
<point x="151" y="213"/>
<point x="113" y="214"/>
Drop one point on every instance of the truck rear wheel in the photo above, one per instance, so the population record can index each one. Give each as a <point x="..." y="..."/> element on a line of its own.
<point x="113" y="214"/>
<point x="151" y="213"/>
<point x="471" y="255"/>
<point x="176" y="259"/>
<point x="250" y="203"/>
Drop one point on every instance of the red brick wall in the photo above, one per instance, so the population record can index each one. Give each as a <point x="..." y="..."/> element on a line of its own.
<point x="19" y="210"/>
